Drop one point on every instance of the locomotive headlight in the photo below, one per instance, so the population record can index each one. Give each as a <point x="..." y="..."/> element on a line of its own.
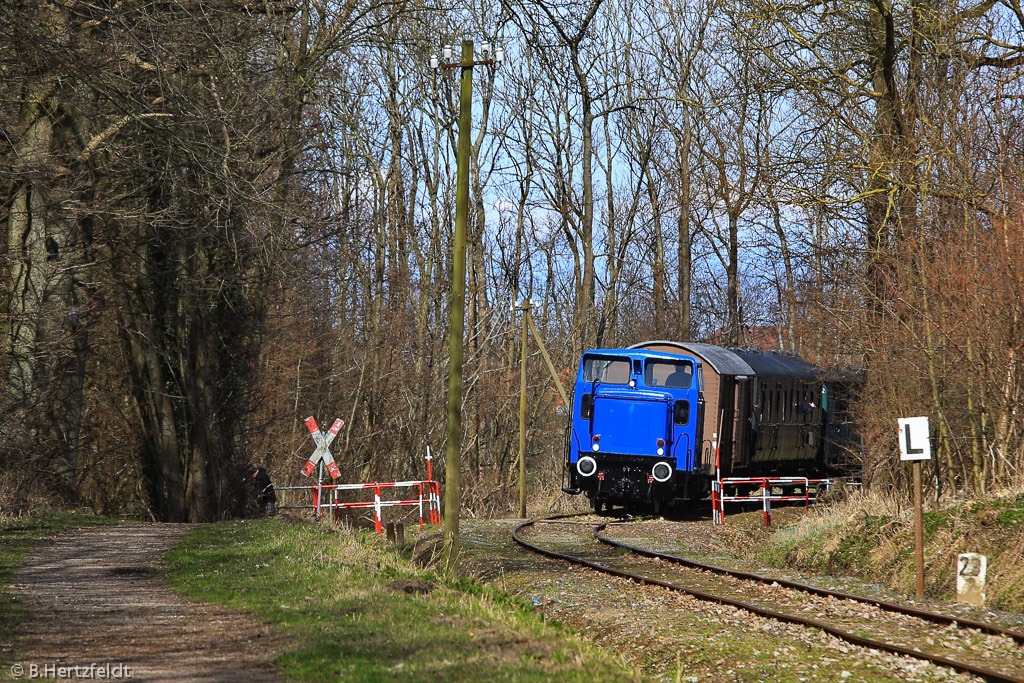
<point x="661" y="451"/>
<point x="661" y="446"/>
<point x="586" y="465"/>
<point x="661" y="472"/>
<point x="596" y="447"/>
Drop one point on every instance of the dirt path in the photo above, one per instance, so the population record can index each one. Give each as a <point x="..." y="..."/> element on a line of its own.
<point x="96" y="596"/>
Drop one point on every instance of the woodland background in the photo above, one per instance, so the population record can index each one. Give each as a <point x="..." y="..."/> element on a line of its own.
<point x="224" y="216"/>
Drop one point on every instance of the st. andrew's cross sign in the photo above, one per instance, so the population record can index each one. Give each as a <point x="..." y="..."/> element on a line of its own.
<point x="323" y="451"/>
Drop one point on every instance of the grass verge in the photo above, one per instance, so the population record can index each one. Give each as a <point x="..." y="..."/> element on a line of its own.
<point x="871" y="535"/>
<point x="343" y="605"/>
<point x="16" y="537"/>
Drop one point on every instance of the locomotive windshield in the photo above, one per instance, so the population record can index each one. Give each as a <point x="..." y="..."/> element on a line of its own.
<point x="606" y="370"/>
<point x="669" y="374"/>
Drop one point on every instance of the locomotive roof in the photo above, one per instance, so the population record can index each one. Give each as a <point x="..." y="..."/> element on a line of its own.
<point x="723" y="361"/>
<point x="648" y="353"/>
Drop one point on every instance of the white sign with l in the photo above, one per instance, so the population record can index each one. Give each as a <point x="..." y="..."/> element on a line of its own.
<point x="914" y="441"/>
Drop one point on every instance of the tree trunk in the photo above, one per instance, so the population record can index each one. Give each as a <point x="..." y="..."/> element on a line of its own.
<point x="684" y="256"/>
<point x="45" y="336"/>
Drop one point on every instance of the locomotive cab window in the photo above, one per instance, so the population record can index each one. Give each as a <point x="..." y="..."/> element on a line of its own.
<point x="669" y="374"/>
<point x="606" y="370"/>
<point x="681" y="413"/>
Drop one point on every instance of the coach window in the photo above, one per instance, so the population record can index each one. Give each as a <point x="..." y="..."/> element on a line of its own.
<point x="669" y="374"/>
<point x="606" y="370"/>
<point x="681" y="413"/>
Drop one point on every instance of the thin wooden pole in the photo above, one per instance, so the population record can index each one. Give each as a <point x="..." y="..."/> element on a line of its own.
<point x="918" y="528"/>
<point x="547" y="361"/>
<point x="522" y="413"/>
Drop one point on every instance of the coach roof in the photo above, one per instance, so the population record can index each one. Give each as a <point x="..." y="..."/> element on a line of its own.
<point x="723" y="361"/>
<point x="776" y="364"/>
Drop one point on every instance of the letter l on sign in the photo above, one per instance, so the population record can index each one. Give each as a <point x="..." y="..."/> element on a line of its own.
<point x="914" y="441"/>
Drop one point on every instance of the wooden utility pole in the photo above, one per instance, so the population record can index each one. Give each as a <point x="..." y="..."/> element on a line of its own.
<point x="453" y="449"/>
<point x="525" y="308"/>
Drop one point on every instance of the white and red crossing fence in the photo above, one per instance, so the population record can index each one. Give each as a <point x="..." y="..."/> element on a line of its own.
<point x="761" y="489"/>
<point x="427" y="494"/>
<point x="325" y="497"/>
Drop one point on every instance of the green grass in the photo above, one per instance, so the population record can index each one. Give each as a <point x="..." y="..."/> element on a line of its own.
<point x="872" y="536"/>
<point x="1011" y="511"/>
<point x="931" y="522"/>
<point x="335" y="599"/>
<point x="1005" y="511"/>
<point x="16" y="537"/>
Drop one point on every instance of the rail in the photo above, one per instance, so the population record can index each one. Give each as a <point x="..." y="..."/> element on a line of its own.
<point x="934" y="617"/>
<point x="987" y="674"/>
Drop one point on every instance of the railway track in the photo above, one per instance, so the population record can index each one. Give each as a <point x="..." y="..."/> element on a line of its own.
<point x="861" y="621"/>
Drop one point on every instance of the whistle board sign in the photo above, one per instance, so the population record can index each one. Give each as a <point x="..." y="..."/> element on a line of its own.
<point x="914" y="441"/>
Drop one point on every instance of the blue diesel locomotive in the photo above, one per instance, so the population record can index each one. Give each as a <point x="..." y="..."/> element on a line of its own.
<point x="636" y="428"/>
<point x="654" y="424"/>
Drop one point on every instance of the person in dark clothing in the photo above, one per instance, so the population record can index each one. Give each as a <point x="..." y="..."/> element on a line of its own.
<point x="681" y="378"/>
<point x="260" y="484"/>
<point x="807" y="406"/>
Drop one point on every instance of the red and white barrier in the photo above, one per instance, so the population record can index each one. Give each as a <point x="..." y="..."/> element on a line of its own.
<point x="434" y="513"/>
<point x="428" y="491"/>
<point x="726" y="490"/>
<point x="428" y="495"/>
